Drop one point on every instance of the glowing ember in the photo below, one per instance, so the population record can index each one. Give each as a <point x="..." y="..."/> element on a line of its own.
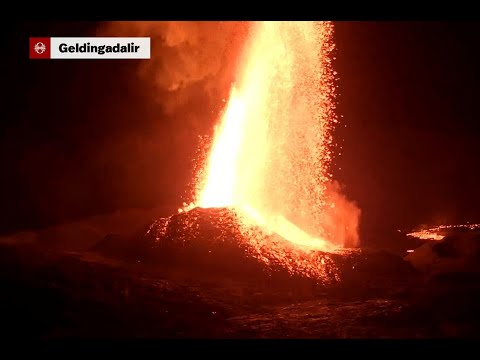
<point x="271" y="151"/>
<point x="437" y="233"/>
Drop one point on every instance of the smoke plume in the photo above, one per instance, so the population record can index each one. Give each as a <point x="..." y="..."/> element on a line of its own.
<point x="187" y="59"/>
<point x="342" y="219"/>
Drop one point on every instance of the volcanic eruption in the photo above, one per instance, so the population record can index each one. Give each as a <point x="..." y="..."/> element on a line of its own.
<point x="265" y="182"/>
<point x="270" y="156"/>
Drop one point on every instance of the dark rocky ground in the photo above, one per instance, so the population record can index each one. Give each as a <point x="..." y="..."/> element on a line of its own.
<point x="52" y="294"/>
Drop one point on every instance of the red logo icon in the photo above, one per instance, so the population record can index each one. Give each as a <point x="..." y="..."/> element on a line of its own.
<point x="39" y="48"/>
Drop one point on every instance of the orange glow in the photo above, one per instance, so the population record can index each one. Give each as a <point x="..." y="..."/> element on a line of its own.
<point x="222" y="173"/>
<point x="271" y="151"/>
<point x="435" y="232"/>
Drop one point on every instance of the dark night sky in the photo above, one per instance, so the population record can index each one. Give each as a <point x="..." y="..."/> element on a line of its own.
<point x="86" y="137"/>
<point x="410" y="99"/>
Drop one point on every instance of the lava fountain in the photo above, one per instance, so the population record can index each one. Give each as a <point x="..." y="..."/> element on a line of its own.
<point x="271" y="150"/>
<point x="264" y="197"/>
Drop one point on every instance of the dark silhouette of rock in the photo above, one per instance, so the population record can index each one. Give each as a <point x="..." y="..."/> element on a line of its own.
<point x="211" y="240"/>
<point x="458" y="251"/>
<point x="206" y="239"/>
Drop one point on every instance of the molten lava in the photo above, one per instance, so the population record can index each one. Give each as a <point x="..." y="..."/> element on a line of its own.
<point x="271" y="151"/>
<point x="223" y="171"/>
<point x="438" y="232"/>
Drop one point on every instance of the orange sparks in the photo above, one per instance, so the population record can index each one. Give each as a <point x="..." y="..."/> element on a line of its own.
<point x="271" y="153"/>
<point x="271" y="150"/>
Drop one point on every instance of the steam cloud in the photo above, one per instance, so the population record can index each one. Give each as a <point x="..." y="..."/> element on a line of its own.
<point x="186" y="57"/>
<point x="342" y="221"/>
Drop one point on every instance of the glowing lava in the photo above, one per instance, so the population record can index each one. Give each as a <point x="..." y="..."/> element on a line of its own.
<point x="222" y="174"/>
<point x="435" y="233"/>
<point x="271" y="151"/>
